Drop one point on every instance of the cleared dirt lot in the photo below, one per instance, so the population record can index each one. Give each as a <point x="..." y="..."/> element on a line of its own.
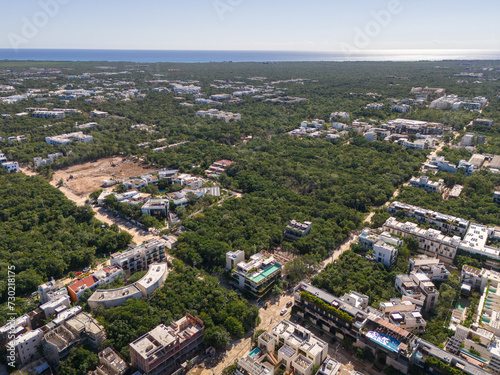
<point x="85" y="178"/>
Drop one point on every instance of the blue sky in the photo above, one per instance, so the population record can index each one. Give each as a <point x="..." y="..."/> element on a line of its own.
<point x="314" y="25"/>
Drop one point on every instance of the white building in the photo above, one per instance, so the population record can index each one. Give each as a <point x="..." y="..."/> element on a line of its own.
<point x="496" y="197"/>
<point x="66" y="139"/>
<point x="11" y="166"/>
<point x="26" y="345"/>
<point x="155" y="207"/>
<point x="233" y="258"/>
<point x="219" y="115"/>
<point x="423" y="182"/>
<point x="432" y="267"/>
<point x="145" y="287"/>
<point x="302" y="341"/>
<point x="431" y="241"/>
<point x="385" y="253"/>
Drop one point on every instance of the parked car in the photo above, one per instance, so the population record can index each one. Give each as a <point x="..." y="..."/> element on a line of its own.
<point x="78" y="273"/>
<point x="289" y="303"/>
<point x="283" y="312"/>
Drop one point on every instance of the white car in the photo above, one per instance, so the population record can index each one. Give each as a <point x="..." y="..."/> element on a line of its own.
<point x="283" y="312"/>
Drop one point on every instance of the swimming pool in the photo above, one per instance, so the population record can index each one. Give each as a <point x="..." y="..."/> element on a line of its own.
<point x="254" y="352"/>
<point x="385" y="340"/>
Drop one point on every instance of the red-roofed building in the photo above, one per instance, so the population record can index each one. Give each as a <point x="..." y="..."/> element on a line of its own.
<point x="105" y="276"/>
<point x="78" y="287"/>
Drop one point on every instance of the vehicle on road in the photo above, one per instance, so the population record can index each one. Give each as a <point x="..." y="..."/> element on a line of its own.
<point x="283" y="312"/>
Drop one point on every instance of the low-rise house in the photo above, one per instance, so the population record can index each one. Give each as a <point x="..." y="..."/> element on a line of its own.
<point x="162" y="350"/>
<point x="188" y="180"/>
<point x="99" y="114"/>
<point x="295" y="230"/>
<point x="455" y="191"/>
<point x="426" y="184"/>
<point x="220" y="115"/>
<point x="216" y="169"/>
<point x="39" y="161"/>
<point x="66" y="139"/>
<point x="55" y="306"/>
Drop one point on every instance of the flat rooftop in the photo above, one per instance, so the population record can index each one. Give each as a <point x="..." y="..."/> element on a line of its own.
<point x="155" y="273"/>
<point x="101" y="295"/>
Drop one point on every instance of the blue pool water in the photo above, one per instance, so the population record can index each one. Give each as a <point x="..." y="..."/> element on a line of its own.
<point x="254" y="352"/>
<point x="385" y="340"/>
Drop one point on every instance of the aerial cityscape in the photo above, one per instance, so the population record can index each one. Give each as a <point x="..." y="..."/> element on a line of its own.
<point x="182" y="193"/>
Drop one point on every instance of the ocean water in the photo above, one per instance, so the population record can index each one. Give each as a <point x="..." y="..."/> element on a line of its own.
<point x="152" y="56"/>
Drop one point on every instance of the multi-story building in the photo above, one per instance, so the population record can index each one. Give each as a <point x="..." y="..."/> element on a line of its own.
<point x="432" y="267"/>
<point x="369" y="237"/>
<point x="110" y="363"/>
<point x="164" y="349"/>
<point x="26" y="345"/>
<point x="11" y="166"/>
<point x="444" y="223"/>
<point x="423" y="182"/>
<point x="50" y="290"/>
<point x="216" y="169"/>
<point x="385" y="253"/>
<point x="105" y="276"/>
<point x="301" y="341"/>
<point x="475" y="241"/>
<point x="99" y="114"/>
<point x="371" y="329"/>
<point x="295" y="230"/>
<point x="188" y="180"/>
<point x="430" y="241"/>
<point x="219" y="115"/>
<point x="55" y="306"/>
<point x="156" y="207"/>
<point x="138" y="258"/>
<point x="233" y="258"/>
<point x="109" y="298"/>
<point x="257" y="276"/>
<point x="417" y="288"/>
<point x="496" y="197"/>
<point x="39" y="161"/>
<point x="49" y="114"/>
<point x="404" y="314"/>
<point x="442" y="164"/>
<point x="66" y="139"/>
